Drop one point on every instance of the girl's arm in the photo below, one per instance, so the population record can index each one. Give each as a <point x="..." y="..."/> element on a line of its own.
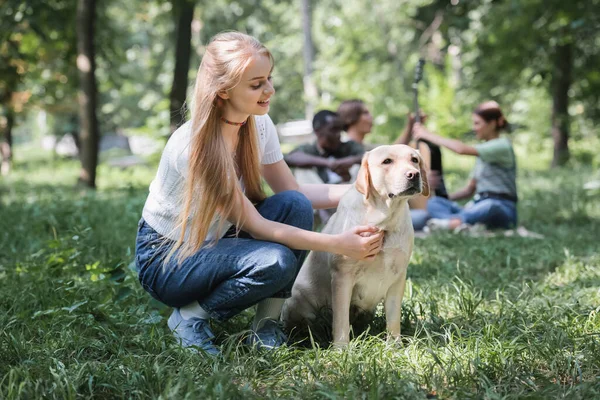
<point x="465" y="193"/>
<point x="406" y="135"/>
<point x="361" y="242"/>
<point x="280" y="178"/>
<point x="420" y="132"/>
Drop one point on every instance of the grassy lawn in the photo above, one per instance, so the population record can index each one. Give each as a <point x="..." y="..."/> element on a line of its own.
<point x="499" y="317"/>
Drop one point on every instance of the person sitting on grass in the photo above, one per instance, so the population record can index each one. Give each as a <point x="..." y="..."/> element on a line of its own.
<point x="493" y="180"/>
<point x="208" y="180"/>
<point x="327" y="159"/>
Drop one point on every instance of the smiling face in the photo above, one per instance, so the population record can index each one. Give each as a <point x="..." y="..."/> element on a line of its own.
<point x="251" y="96"/>
<point x="392" y="172"/>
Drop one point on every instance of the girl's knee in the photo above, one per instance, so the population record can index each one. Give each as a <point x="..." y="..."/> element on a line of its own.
<point x="296" y="199"/>
<point x="300" y="206"/>
<point x="280" y="264"/>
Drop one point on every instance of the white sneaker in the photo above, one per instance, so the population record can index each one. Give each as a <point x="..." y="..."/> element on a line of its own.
<point x="438" y="224"/>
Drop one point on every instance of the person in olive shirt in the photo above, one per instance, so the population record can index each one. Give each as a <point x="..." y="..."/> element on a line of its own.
<point x="327" y="159"/>
<point x="492" y="182"/>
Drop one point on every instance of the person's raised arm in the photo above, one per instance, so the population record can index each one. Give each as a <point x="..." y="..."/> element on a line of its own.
<point x="465" y="193"/>
<point x="421" y="133"/>
<point x="406" y="134"/>
<point x="361" y="242"/>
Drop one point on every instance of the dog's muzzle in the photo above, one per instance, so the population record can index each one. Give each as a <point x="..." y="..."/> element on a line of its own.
<point x="413" y="187"/>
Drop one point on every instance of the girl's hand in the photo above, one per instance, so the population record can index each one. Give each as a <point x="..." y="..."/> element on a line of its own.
<point x="360" y="242"/>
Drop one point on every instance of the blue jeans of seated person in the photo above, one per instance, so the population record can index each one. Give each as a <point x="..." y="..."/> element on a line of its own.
<point x="234" y="274"/>
<point x="493" y="213"/>
<point x="419" y="218"/>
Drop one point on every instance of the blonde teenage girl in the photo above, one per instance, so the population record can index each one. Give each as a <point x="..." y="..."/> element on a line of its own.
<point x="210" y="243"/>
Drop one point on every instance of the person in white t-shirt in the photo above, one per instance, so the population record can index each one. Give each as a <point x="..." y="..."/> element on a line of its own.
<point x="210" y="243"/>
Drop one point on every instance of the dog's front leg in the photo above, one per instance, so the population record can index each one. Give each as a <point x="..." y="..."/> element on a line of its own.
<point x="393" y="306"/>
<point x="342" y="284"/>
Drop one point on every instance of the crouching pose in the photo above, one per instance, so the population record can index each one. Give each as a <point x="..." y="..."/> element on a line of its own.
<point x="210" y="244"/>
<point x="388" y="177"/>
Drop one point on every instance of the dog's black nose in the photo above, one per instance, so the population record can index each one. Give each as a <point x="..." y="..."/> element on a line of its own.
<point x="391" y="195"/>
<point x="412" y="175"/>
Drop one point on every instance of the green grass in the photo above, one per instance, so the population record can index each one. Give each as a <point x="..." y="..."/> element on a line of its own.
<point x="499" y="317"/>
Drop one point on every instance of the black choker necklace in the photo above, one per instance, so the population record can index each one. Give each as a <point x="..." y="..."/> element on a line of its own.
<point x="233" y="123"/>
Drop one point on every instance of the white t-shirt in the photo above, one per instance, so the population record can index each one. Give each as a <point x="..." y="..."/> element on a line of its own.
<point x="164" y="202"/>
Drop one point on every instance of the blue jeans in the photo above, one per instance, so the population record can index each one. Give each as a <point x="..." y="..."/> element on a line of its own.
<point x="493" y="213"/>
<point x="232" y="275"/>
<point x="419" y="218"/>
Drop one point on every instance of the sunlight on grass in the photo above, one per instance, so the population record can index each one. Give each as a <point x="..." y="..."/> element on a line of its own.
<point x="496" y="317"/>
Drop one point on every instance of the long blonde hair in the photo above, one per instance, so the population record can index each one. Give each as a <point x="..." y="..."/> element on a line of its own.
<point x="212" y="184"/>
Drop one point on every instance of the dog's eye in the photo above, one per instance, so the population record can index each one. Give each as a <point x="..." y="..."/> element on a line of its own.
<point x="387" y="161"/>
<point x="414" y="159"/>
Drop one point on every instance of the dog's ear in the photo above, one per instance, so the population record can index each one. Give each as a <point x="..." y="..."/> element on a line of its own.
<point x="363" y="180"/>
<point x="425" y="182"/>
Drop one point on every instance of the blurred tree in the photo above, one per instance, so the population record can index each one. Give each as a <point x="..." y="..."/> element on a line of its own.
<point x="310" y="89"/>
<point x="6" y="140"/>
<point x="368" y="53"/>
<point x="134" y="65"/>
<point x="276" y="24"/>
<point x="549" y="74"/>
<point x="183" y="11"/>
<point x="508" y="45"/>
<point x="86" y="64"/>
<point x="34" y="45"/>
<point x="10" y="79"/>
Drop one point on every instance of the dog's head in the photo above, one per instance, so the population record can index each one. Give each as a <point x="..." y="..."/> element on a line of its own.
<point x="392" y="172"/>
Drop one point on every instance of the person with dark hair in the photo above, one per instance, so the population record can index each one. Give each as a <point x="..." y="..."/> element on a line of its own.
<point x="493" y="180"/>
<point x="327" y="159"/>
<point x="357" y="120"/>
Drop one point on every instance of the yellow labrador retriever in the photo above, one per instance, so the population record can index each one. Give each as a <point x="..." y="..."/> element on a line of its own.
<point x="388" y="177"/>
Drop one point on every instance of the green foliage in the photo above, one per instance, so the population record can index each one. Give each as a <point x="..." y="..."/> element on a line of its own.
<point x="277" y="24"/>
<point x="35" y="45"/>
<point x="512" y="45"/>
<point x="446" y="110"/>
<point x="498" y="317"/>
<point x="371" y="60"/>
<point x="361" y="52"/>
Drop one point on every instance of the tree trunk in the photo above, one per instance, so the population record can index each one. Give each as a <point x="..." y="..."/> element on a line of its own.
<point x="88" y="123"/>
<point x="184" y="13"/>
<point x="310" y="89"/>
<point x="561" y="82"/>
<point x="6" y="141"/>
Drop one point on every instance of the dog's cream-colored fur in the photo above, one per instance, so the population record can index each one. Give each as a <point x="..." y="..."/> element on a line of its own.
<point x="378" y="198"/>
